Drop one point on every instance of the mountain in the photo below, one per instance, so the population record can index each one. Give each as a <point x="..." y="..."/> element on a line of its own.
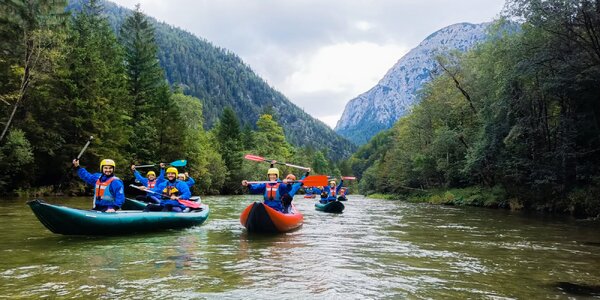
<point x="380" y="107"/>
<point x="220" y="78"/>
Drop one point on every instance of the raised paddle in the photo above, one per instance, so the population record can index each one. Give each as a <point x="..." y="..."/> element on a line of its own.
<point x="262" y="159"/>
<point x="78" y="157"/>
<point x="348" y="178"/>
<point x="312" y="180"/>
<point x="177" y="163"/>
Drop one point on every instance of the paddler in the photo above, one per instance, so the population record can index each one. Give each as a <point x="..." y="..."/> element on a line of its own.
<point x="109" y="194"/>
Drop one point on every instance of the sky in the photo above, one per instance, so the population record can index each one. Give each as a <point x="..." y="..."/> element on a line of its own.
<point x="319" y="53"/>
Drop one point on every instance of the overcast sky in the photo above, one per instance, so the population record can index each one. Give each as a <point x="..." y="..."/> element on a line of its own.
<point x="319" y="53"/>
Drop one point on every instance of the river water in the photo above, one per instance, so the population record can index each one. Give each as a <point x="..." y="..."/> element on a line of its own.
<point x="376" y="249"/>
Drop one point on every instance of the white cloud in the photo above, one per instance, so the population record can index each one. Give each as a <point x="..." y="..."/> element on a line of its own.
<point x="319" y="53"/>
<point x="351" y="67"/>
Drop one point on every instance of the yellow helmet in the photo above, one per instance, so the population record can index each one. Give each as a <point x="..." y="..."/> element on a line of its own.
<point x="150" y="173"/>
<point x="172" y="170"/>
<point x="332" y="181"/>
<point x="273" y="171"/>
<point x="107" y="162"/>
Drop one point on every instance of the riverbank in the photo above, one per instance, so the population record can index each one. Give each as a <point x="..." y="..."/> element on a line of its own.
<point x="580" y="203"/>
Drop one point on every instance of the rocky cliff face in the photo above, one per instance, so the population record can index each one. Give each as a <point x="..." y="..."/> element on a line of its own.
<point x="380" y="107"/>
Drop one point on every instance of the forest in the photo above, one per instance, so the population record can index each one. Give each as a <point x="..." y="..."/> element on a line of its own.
<point x="65" y="77"/>
<point x="513" y="123"/>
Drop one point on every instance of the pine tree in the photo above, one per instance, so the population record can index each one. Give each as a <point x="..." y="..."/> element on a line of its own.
<point x="228" y="134"/>
<point x="155" y="117"/>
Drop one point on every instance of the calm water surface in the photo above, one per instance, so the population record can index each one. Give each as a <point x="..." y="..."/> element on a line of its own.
<point x="376" y="249"/>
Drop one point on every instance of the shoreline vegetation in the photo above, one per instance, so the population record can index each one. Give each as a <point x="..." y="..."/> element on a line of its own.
<point x="578" y="204"/>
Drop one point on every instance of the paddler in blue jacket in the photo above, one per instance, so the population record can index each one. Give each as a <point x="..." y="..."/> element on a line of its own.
<point x="109" y="194"/>
<point x="175" y="194"/>
<point x="150" y="182"/>
<point x="272" y="192"/>
<point x="331" y="191"/>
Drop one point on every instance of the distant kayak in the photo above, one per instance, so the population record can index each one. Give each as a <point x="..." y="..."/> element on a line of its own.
<point x="71" y="221"/>
<point x="330" y="207"/>
<point x="312" y="196"/>
<point x="260" y="218"/>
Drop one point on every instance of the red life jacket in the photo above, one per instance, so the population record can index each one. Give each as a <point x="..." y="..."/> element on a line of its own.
<point x="272" y="191"/>
<point x="151" y="184"/>
<point x="332" y="192"/>
<point x="101" y="187"/>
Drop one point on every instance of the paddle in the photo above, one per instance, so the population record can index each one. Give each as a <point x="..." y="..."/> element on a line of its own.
<point x="177" y="163"/>
<point x="262" y="159"/>
<point x="78" y="157"/>
<point x="188" y="203"/>
<point x="348" y="178"/>
<point x="313" y="180"/>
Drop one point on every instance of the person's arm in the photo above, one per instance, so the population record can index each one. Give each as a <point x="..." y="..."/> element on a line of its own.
<point x="116" y="188"/>
<point x="184" y="191"/>
<point x="87" y="177"/>
<point x="337" y="190"/>
<point x="140" y="178"/>
<point x="295" y="188"/>
<point x="190" y="181"/>
<point x="158" y="188"/>
<point x="257" y="188"/>
<point x="161" y="176"/>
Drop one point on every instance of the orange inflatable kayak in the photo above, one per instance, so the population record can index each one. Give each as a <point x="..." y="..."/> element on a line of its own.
<point x="258" y="217"/>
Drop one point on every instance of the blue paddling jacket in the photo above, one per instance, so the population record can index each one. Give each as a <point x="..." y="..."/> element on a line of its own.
<point x="272" y="192"/>
<point x="144" y="181"/>
<point x="332" y="195"/>
<point x="111" y="196"/>
<point x="175" y="187"/>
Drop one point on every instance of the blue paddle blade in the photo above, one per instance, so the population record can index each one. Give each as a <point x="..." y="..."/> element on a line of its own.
<point x="179" y="163"/>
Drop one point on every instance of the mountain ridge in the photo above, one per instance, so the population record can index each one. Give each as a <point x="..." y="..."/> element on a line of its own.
<point x="392" y="97"/>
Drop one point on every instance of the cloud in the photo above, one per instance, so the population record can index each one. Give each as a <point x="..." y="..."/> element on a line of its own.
<point x="316" y="47"/>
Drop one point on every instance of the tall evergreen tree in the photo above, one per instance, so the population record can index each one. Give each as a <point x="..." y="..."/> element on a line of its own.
<point x="228" y="134"/>
<point x="99" y="101"/>
<point x="154" y="115"/>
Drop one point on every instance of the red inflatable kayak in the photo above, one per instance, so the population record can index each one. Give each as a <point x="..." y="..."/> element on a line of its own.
<point x="313" y="196"/>
<point x="258" y="217"/>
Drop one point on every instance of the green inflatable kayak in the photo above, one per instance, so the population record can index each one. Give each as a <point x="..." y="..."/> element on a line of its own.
<point x="72" y="221"/>
<point x="330" y="207"/>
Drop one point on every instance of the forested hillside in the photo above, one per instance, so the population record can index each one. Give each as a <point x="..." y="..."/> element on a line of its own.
<point x="221" y="79"/>
<point x="516" y="121"/>
<point x="64" y="78"/>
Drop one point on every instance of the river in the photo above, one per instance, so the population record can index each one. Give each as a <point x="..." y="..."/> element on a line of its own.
<point x="376" y="249"/>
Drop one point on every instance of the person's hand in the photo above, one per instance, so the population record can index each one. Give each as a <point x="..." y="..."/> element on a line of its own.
<point x="308" y="170"/>
<point x="110" y="210"/>
<point x="285" y="181"/>
<point x="244" y="182"/>
<point x="162" y="165"/>
<point x="76" y="163"/>
<point x="142" y="187"/>
<point x="273" y="162"/>
<point x="173" y="197"/>
<point x="186" y="174"/>
<point x="132" y="167"/>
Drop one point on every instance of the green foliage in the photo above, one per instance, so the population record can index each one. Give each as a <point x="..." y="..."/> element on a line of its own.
<point x="228" y="133"/>
<point x="519" y="113"/>
<point x="16" y="155"/>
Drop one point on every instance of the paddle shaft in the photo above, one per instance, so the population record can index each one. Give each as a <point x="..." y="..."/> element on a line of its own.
<point x="258" y="158"/>
<point x="149" y="191"/>
<point x="85" y="147"/>
<point x="177" y="163"/>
